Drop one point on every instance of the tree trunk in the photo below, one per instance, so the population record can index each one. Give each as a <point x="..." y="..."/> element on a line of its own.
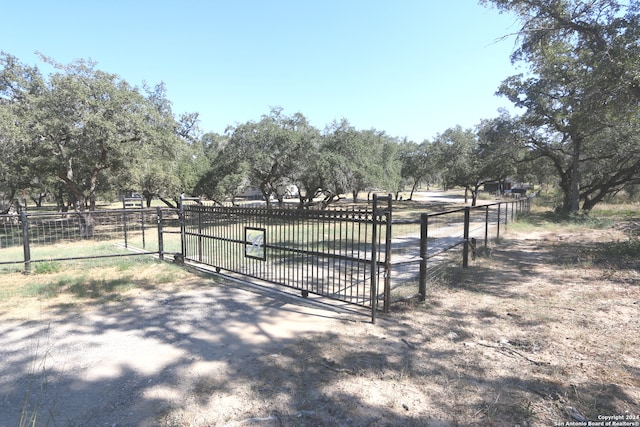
<point x="474" y="195"/>
<point x="148" y="195"/>
<point x="575" y="175"/>
<point x="266" y="193"/>
<point x="38" y="201"/>
<point x="169" y="203"/>
<point x="413" y="189"/>
<point x="87" y="224"/>
<point x="12" y="196"/>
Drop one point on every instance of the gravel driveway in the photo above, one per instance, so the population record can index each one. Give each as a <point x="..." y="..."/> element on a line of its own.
<point x="128" y="362"/>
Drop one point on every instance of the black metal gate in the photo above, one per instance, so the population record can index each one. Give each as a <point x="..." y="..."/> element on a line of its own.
<point x="340" y="254"/>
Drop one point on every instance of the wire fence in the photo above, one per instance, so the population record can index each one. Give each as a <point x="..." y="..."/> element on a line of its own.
<point x="34" y="237"/>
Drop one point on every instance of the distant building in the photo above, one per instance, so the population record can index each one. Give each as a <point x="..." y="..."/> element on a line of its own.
<point x="506" y="187"/>
<point x="494" y="186"/>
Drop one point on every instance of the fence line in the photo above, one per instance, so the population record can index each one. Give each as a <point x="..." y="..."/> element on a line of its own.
<point x="422" y="248"/>
<point x="329" y="247"/>
<point x="33" y="237"/>
<point x="480" y="223"/>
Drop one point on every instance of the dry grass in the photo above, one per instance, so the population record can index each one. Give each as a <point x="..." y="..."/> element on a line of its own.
<point x="544" y="328"/>
<point x="81" y="285"/>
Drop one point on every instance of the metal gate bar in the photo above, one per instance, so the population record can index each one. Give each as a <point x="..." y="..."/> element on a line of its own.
<point x="333" y="253"/>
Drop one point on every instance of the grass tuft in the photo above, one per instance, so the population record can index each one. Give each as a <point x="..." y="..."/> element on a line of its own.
<point x="47" y="267"/>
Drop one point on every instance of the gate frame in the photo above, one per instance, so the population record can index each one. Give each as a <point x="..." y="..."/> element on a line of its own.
<point x="380" y="216"/>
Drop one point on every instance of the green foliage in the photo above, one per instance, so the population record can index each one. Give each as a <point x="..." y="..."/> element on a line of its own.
<point x="82" y="127"/>
<point x="471" y="158"/>
<point x="581" y="94"/>
<point x="360" y="160"/>
<point x="268" y="149"/>
<point x="82" y="133"/>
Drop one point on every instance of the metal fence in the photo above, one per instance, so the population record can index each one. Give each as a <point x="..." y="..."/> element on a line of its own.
<point x="340" y="254"/>
<point x="423" y="249"/>
<point x="354" y="255"/>
<point x="36" y="237"/>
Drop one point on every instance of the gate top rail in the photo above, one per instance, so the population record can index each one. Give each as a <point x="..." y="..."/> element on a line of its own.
<point x="351" y="215"/>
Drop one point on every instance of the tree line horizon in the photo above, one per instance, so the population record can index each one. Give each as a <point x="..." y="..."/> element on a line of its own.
<point x="81" y="134"/>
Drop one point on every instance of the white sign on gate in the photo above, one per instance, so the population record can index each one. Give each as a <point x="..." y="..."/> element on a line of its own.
<point x="255" y="240"/>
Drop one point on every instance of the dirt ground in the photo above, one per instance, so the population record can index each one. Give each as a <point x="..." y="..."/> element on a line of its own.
<point x="542" y="330"/>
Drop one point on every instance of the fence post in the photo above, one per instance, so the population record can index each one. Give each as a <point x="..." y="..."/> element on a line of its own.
<point x="465" y="248"/>
<point x="200" y="235"/>
<point x="160" y="234"/>
<point x="387" y="256"/>
<point x="506" y="216"/>
<point x="374" y="260"/>
<point x="513" y="209"/>
<point x="498" y="225"/>
<point x="486" y="225"/>
<point x="144" y="243"/>
<point x="124" y="227"/>
<point x="136" y="203"/>
<point x="25" y="242"/>
<point x="422" y="285"/>
<point x="183" y="231"/>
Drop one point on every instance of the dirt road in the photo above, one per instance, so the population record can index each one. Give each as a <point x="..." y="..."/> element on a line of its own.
<point x="540" y="330"/>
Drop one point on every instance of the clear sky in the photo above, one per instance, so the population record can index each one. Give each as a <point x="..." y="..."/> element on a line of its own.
<point x="412" y="68"/>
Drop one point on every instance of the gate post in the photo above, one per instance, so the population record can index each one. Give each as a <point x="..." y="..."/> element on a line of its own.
<point x="465" y="248"/>
<point x="486" y="225"/>
<point x="422" y="285"/>
<point x="183" y="225"/>
<point x="183" y="231"/>
<point x="374" y="260"/>
<point x="25" y="242"/>
<point x="498" y="225"/>
<point x="387" y="257"/>
<point x="160" y="234"/>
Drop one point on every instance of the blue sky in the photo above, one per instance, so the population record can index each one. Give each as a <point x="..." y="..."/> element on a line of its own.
<point x="412" y="68"/>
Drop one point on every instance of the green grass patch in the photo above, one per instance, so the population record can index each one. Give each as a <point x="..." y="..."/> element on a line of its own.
<point x="580" y="220"/>
<point x="622" y="251"/>
<point x="79" y="282"/>
<point x="552" y="220"/>
<point x="96" y="288"/>
<point x="47" y="267"/>
<point x="79" y="286"/>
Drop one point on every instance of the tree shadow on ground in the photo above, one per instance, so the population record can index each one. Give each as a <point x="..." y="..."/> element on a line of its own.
<point x="129" y="363"/>
<point x="225" y="352"/>
<point x="558" y="347"/>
